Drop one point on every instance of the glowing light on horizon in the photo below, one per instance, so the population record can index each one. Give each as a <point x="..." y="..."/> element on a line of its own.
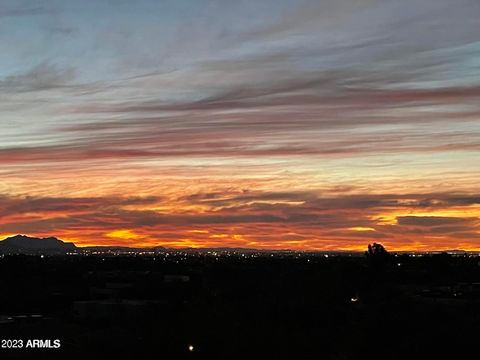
<point x="362" y="228"/>
<point x="123" y="234"/>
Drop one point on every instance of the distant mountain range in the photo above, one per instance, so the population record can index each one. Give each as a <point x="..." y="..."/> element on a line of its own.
<point x="27" y="244"/>
<point x="23" y="244"/>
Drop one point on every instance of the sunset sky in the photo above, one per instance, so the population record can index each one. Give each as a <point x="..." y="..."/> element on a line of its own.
<point x="301" y="124"/>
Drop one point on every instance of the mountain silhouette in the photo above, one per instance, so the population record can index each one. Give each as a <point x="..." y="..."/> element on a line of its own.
<point x="27" y="244"/>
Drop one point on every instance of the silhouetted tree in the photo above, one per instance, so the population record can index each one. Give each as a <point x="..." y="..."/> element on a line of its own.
<point x="376" y="251"/>
<point x="378" y="258"/>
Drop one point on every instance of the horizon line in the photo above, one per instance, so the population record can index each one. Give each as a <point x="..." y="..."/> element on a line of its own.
<point x="426" y="251"/>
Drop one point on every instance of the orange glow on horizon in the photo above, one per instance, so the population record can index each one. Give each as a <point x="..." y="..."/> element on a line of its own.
<point x="362" y="228"/>
<point x="258" y="212"/>
<point x="123" y="234"/>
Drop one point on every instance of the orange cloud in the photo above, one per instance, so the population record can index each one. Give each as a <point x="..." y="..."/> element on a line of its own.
<point x="261" y="219"/>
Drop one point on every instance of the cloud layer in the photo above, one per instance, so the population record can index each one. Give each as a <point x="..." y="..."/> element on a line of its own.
<point x="274" y="124"/>
<point x="303" y="220"/>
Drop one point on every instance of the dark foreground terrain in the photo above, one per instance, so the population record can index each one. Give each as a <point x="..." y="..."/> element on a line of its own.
<point x="244" y="305"/>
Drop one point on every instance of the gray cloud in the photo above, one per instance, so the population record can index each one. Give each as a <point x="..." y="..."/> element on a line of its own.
<point x="434" y="221"/>
<point x="30" y="204"/>
<point x="44" y="76"/>
<point x="26" y="11"/>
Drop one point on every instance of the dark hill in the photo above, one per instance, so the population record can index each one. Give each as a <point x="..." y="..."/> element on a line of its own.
<point x="27" y="244"/>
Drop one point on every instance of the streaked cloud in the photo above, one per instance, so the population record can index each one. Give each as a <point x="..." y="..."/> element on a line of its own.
<point x="43" y="76"/>
<point x="266" y="219"/>
<point x="272" y="123"/>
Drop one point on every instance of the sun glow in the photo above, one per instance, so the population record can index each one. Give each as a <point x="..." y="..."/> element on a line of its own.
<point x="124" y="234"/>
<point x="458" y="212"/>
<point x="362" y="228"/>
